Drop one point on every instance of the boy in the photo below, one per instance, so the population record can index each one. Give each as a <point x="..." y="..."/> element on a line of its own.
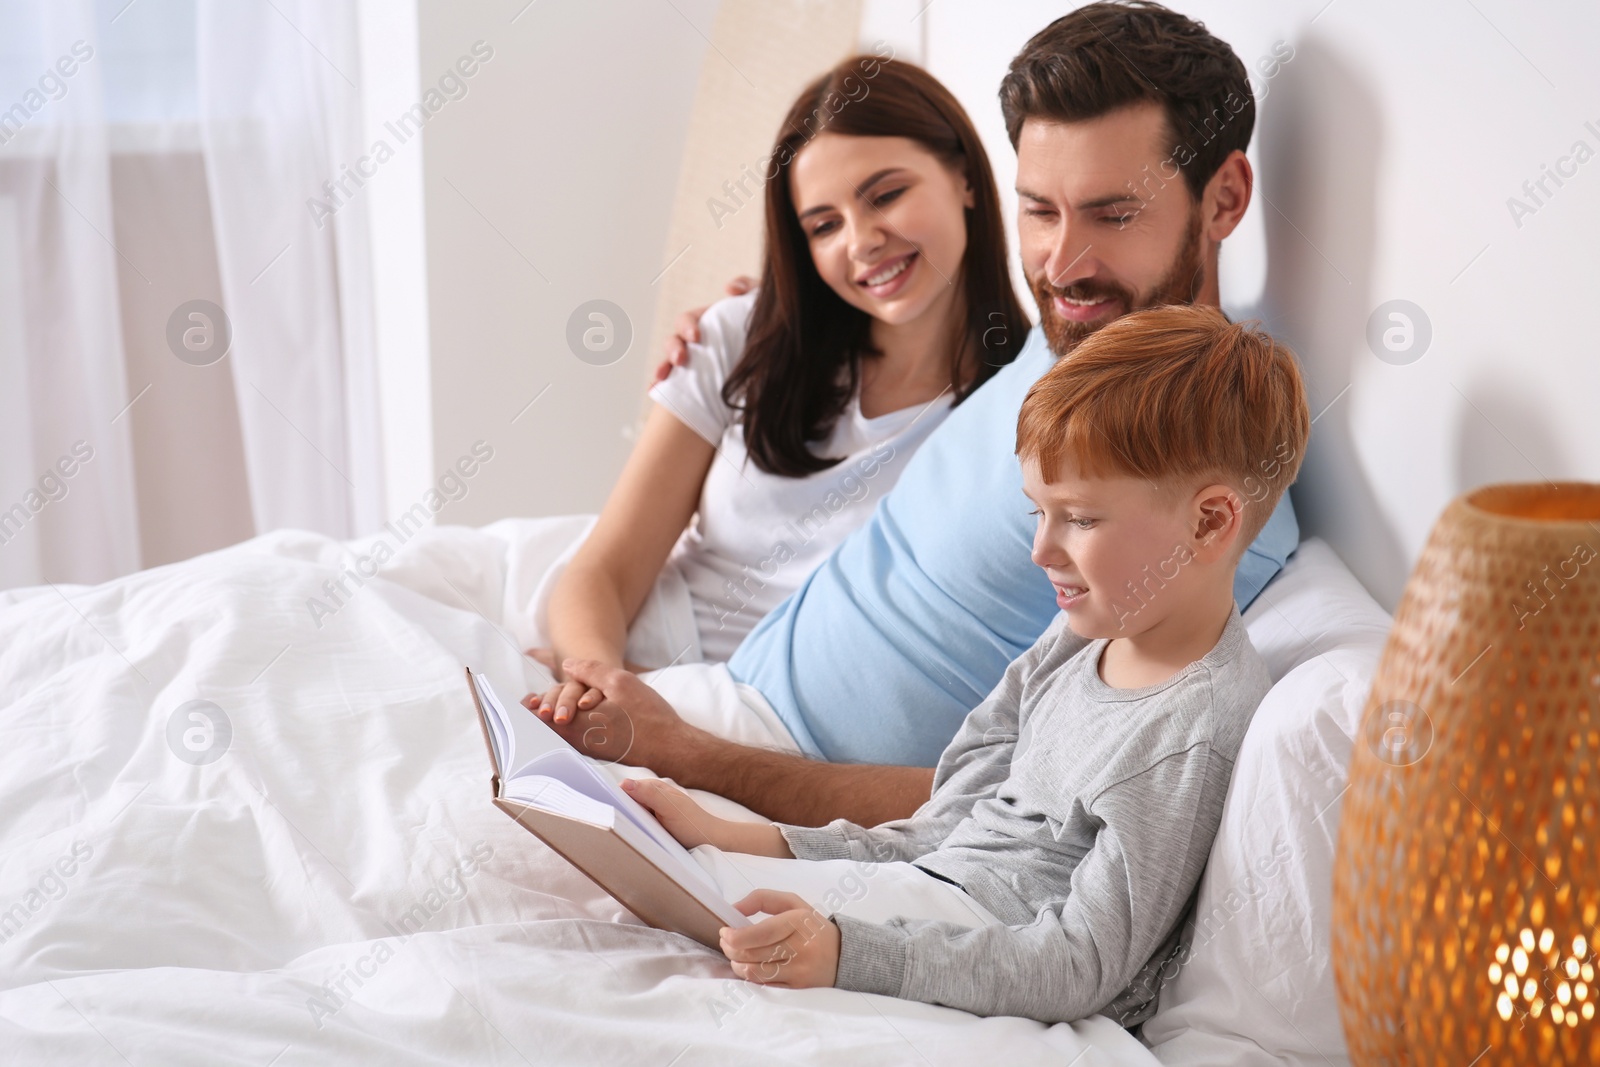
<point x="1073" y="814"/>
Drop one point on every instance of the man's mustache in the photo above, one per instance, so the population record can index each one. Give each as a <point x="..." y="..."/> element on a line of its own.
<point x="1084" y="290"/>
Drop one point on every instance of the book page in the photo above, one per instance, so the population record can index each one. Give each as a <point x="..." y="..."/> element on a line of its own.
<point x="519" y="739"/>
<point x="495" y="721"/>
<point x="551" y="795"/>
<point x="575" y="770"/>
<point x="535" y="748"/>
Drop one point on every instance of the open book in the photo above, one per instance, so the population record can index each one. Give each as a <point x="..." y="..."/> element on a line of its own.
<point x="559" y="795"/>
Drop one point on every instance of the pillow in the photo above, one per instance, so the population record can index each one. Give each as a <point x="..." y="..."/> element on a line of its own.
<point x="1256" y="985"/>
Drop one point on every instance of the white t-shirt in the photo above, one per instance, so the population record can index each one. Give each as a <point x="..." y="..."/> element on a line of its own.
<point x="756" y="536"/>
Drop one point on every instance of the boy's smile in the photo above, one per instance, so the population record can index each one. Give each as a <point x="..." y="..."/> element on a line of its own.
<point x="1114" y="548"/>
<point x="1092" y="537"/>
<point x="1068" y="596"/>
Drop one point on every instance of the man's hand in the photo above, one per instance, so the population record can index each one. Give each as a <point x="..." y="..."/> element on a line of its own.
<point x="686" y="331"/>
<point x="632" y="724"/>
<point x="797" y="948"/>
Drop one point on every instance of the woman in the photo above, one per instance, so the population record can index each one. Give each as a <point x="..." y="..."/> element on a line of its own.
<point x="883" y="281"/>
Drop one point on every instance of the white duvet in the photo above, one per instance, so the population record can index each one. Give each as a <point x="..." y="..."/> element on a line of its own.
<point x="319" y="877"/>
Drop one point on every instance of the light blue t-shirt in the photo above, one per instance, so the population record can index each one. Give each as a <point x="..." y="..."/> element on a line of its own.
<point x="911" y="622"/>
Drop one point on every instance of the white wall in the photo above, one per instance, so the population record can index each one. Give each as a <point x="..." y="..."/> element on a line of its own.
<point x="1385" y="149"/>
<point x="548" y="185"/>
<point x="767" y="51"/>
<point x="1385" y="153"/>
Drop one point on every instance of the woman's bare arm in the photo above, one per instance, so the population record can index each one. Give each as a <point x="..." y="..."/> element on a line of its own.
<point x="596" y="599"/>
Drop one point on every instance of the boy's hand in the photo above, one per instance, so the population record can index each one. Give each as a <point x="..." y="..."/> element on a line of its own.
<point x="693" y="825"/>
<point x="797" y="948"/>
<point x="676" y="810"/>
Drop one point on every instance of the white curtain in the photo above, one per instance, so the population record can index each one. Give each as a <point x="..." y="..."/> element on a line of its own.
<point x="269" y="94"/>
<point x="62" y="376"/>
<point x="280" y="116"/>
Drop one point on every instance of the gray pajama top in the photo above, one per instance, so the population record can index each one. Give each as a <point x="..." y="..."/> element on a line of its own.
<point x="1079" y="814"/>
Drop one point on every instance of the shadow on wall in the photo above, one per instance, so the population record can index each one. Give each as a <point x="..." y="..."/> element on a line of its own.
<point x="1321" y="133"/>
<point x="1502" y="437"/>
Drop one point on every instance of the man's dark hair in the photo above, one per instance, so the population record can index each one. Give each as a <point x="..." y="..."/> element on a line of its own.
<point x="1109" y="55"/>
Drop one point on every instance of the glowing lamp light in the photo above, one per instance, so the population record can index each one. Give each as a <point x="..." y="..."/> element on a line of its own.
<point x="1467" y="879"/>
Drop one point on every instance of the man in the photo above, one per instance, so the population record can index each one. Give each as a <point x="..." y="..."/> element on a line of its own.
<point x="1130" y="123"/>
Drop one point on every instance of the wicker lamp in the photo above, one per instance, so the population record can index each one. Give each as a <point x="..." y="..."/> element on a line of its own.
<point x="1466" y="909"/>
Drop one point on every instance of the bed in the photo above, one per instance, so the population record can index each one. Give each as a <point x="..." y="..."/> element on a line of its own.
<point x="244" y="819"/>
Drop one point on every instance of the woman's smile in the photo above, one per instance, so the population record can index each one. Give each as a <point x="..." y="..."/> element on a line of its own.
<point x="889" y="277"/>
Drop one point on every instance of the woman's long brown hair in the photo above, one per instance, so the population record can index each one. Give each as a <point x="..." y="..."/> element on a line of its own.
<point x="802" y="358"/>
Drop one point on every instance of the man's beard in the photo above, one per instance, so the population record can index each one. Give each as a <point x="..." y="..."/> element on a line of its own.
<point x="1178" y="286"/>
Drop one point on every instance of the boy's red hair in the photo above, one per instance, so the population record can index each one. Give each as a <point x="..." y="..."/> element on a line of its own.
<point x="1177" y="395"/>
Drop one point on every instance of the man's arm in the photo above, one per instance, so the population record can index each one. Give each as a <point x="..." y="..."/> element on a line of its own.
<point x="800" y="791"/>
<point x="635" y="725"/>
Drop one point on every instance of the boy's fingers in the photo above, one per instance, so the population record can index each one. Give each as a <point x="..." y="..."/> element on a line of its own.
<point x="662" y="794"/>
<point x="771" y="955"/>
<point x="759" y="974"/>
<point x="683" y="818"/>
<point x="762" y="935"/>
<point x="771" y="901"/>
<point x="666" y="798"/>
<point x="646" y="791"/>
<point x="757" y="942"/>
<point x="644" y="796"/>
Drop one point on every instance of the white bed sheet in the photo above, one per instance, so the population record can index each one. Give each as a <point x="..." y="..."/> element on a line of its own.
<point x="345" y="834"/>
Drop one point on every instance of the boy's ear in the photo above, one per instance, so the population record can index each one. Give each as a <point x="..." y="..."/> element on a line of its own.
<point x="1219" y="521"/>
